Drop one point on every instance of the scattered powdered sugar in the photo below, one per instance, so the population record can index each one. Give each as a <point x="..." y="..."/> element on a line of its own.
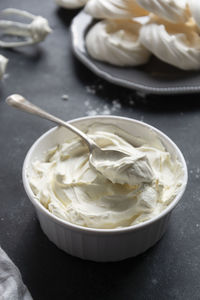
<point x="154" y="281"/>
<point x="5" y="77"/>
<point x="65" y="97"/>
<point x="131" y="102"/>
<point x="195" y="172"/>
<point x="94" y="108"/>
<point x="91" y="113"/>
<point x="92" y="89"/>
<point x="141" y="94"/>
<point x="87" y="103"/>
<point x="104" y="109"/>
<point x="142" y="118"/>
<point x="112" y="106"/>
<point x="116" y="105"/>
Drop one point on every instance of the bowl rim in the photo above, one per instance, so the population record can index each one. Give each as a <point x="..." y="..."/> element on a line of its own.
<point x="105" y="231"/>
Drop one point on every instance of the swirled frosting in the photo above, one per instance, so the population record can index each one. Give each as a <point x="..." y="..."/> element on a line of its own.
<point x="178" y="45"/>
<point x="171" y="10"/>
<point x="114" y="9"/>
<point x="70" y="188"/>
<point x="117" y="42"/>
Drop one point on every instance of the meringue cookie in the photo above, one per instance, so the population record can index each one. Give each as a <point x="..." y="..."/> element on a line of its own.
<point x="71" y="3"/>
<point x="194" y="6"/>
<point x="172" y="10"/>
<point x="178" y="45"/>
<point x="114" y="9"/>
<point x="117" y="42"/>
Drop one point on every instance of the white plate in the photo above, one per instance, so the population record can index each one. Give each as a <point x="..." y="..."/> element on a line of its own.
<point x="155" y="77"/>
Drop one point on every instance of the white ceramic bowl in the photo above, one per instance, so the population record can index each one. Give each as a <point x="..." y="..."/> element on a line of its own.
<point x="101" y="244"/>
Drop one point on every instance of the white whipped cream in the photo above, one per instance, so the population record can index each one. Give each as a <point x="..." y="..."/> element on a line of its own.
<point x="176" y="44"/>
<point x="171" y="10"/>
<point x="71" y="3"/>
<point x="70" y="188"/>
<point x="117" y="42"/>
<point x="114" y="9"/>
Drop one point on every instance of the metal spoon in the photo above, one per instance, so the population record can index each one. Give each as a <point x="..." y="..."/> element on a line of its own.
<point x="21" y="103"/>
<point x="99" y="158"/>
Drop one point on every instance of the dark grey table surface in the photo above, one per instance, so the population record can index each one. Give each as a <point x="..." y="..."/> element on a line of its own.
<point x="44" y="73"/>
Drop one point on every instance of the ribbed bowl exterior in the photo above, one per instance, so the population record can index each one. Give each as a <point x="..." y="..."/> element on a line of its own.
<point x="103" y="247"/>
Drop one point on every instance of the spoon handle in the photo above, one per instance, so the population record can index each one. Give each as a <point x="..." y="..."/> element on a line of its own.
<point x="21" y="103"/>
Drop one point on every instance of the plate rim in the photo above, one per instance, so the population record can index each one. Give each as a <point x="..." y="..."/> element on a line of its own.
<point x="142" y="88"/>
